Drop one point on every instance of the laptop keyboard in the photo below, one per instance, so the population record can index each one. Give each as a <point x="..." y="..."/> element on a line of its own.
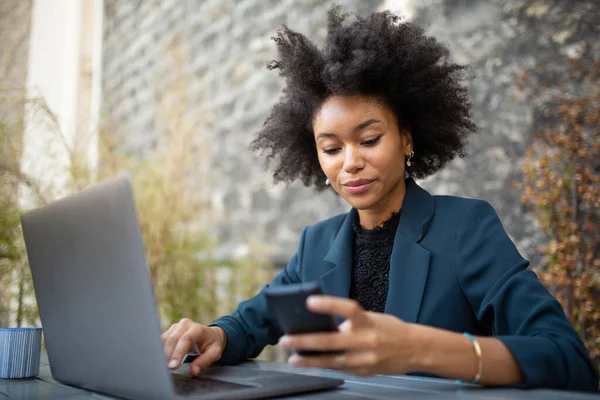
<point x="187" y="385"/>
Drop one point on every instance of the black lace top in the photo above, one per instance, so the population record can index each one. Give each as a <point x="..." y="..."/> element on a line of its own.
<point x="371" y="263"/>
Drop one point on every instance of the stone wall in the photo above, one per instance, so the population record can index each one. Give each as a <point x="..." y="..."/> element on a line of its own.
<point x="219" y="49"/>
<point x="15" y="26"/>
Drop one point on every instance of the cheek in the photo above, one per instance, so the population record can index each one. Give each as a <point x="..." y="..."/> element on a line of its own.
<point x="386" y="161"/>
<point x="329" y="164"/>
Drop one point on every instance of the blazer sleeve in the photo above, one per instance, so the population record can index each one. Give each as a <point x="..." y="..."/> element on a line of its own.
<point x="527" y="319"/>
<point x="250" y="328"/>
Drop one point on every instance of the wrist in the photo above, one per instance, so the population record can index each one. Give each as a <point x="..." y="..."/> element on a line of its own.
<point x="419" y="359"/>
<point x="221" y="335"/>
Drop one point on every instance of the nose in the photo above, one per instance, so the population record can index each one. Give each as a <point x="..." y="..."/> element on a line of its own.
<point x="353" y="160"/>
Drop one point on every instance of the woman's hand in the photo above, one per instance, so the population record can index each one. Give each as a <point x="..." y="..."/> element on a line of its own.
<point x="183" y="337"/>
<point x="370" y="343"/>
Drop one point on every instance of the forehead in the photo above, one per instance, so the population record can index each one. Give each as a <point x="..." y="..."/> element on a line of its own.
<point x="350" y="110"/>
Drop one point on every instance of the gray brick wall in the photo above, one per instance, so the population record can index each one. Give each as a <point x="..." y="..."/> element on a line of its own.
<point x="15" y="26"/>
<point x="224" y="46"/>
<point x="221" y="48"/>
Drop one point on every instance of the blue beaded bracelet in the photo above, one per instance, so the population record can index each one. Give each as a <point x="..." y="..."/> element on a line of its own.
<point x="479" y="359"/>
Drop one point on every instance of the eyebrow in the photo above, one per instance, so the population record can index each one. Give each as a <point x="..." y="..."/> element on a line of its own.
<point x="357" y="128"/>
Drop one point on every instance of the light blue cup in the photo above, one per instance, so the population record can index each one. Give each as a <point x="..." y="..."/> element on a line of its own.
<point x="20" y="352"/>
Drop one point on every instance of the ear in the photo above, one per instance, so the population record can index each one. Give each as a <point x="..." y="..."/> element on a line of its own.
<point x="408" y="142"/>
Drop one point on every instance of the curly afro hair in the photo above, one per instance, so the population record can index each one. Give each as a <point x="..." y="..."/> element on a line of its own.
<point x="376" y="55"/>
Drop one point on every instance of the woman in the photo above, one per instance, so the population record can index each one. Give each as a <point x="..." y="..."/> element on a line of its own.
<point x="426" y="284"/>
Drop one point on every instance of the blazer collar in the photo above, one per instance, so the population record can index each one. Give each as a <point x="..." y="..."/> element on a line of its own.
<point x="406" y="284"/>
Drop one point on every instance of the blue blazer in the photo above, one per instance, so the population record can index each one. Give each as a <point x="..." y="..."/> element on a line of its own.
<point x="452" y="267"/>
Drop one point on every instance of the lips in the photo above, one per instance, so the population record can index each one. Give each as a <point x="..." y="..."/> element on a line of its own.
<point x="358" y="186"/>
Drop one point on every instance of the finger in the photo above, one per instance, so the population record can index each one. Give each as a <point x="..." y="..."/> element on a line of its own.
<point x="359" y="362"/>
<point x="184" y="344"/>
<point x="346" y="308"/>
<point x="178" y="330"/>
<point x="167" y="333"/>
<point x="330" y="341"/>
<point x="205" y="359"/>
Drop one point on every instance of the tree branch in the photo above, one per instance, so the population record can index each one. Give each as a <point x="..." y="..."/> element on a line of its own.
<point x="24" y="179"/>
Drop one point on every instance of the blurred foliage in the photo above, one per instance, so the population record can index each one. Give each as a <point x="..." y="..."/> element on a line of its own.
<point x="175" y="218"/>
<point x="15" y="279"/>
<point x="561" y="186"/>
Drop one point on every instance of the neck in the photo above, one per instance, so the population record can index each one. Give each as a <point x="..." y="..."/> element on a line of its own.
<point x="380" y="212"/>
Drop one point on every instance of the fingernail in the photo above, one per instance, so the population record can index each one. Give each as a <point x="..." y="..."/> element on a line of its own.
<point x="294" y="360"/>
<point x="312" y="300"/>
<point x="195" y="371"/>
<point x="284" y="341"/>
<point x="173" y="363"/>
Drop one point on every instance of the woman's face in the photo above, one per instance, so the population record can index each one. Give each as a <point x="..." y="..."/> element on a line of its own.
<point x="361" y="150"/>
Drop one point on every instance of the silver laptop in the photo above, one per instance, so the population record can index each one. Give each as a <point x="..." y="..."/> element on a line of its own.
<point x="97" y="306"/>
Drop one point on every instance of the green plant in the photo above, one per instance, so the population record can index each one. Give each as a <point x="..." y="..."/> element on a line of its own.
<point x="561" y="186"/>
<point x="15" y="279"/>
<point x="176" y="218"/>
<point x="179" y="251"/>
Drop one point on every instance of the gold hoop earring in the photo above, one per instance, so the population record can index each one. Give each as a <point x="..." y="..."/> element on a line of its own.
<point x="410" y="156"/>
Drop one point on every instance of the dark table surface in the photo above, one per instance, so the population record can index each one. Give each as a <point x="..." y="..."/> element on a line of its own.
<point x="377" y="387"/>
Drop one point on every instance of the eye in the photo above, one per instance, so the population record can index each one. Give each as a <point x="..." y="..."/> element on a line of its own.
<point x="331" y="150"/>
<point x="371" y="142"/>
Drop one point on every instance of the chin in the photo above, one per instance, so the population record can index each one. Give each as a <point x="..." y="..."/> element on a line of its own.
<point x="362" y="204"/>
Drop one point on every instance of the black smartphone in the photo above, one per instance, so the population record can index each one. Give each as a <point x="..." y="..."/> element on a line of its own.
<point x="287" y="304"/>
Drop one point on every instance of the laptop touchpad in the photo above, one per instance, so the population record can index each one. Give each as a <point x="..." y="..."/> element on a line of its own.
<point x="237" y="374"/>
<point x="185" y="384"/>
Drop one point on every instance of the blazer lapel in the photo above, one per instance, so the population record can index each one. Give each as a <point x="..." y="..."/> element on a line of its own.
<point x="409" y="263"/>
<point x="336" y="282"/>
